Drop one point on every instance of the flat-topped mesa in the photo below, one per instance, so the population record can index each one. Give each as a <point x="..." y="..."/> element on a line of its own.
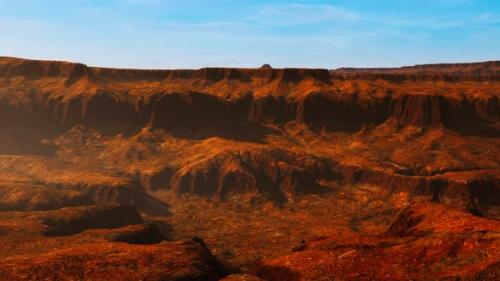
<point x="36" y="69"/>
<point x="451" y="72"/>
<point x="33" y="69"/>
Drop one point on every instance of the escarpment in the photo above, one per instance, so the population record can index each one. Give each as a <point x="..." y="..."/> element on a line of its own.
<point x="194" y="99"/>
<point x="109" y="111"/>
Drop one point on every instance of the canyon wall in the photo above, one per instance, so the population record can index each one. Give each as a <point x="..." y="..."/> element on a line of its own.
<point x="49" y="96"/>
<point x="41" y="100"/>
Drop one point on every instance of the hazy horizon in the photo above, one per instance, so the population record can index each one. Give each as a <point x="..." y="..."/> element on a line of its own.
<point x="154" y="34"/>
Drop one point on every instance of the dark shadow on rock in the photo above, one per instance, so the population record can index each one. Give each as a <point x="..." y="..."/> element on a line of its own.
<point x="72" y="221"/>
<point x="165" y="228"/>
<point x="484" y="194"/>
<point x="195" y="115"/>
<point x="144" y="201"/>
<point x="472" y="118"/>
<point x="347" y="114"/>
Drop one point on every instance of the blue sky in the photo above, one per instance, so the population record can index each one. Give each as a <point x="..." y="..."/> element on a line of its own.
<point x="195" y="33"/>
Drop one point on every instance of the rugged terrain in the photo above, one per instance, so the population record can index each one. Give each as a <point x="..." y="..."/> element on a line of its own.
<point x="280" y="174"/>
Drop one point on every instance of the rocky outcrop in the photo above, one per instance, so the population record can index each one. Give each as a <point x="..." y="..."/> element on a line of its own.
<point x="476" y="194"/>
<point x="129" y="193"/>
<point x="275" y="174"/>
<point x="31" y="196"/>
<point x="420" y="219"/>
<point x="25" y="196"/>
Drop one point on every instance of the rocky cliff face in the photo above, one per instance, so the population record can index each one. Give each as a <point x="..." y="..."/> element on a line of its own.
<point x="40" y="100"/>
<point x="55" y="95"/>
